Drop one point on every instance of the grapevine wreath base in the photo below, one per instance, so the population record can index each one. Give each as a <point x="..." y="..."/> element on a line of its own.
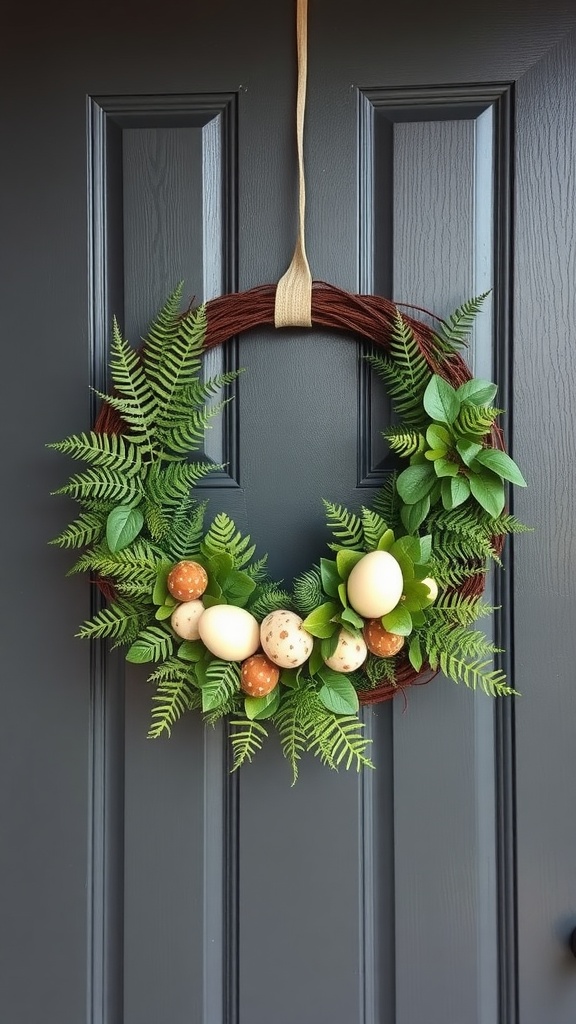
<point x="406" y="582"/>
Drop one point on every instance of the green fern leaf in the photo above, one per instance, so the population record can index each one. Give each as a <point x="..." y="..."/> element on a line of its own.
<point x="449" y="574"/>
<point x="232" y="706"/>
<point x="116" y="620"/>
<point x="155" y="643"/>
<point x="387" y="504"/>
<point x="474" y="422"/>
<point x="223" y="536"/>
<point x="269" y="598"/>
<point x="455" y="331"/>
<point x="336" y="739"/>
<point x="87" y="529"/>
<point x="175" y="363"/>
<point x="222" y="682"/>
<point x="186" y="530"/>
<point x="373" y="527"/>
<point x="176" y="694"/>
<point x="289" y="723"/>
<point x="188" y="436"/>
<point x="308" y="591"/>
<point x="247" y="740"/>
<point x="157" y="520"/>
<point x="103" y="484"/>
<point x="474" y="675"/>
<point x="257" y="570"/>
<point x="380" y="670"/>
<point x="139" y="408"/>
<point x="463" y="610"/>
<point x="112" y="451"/>
<point x="172" y="484"/>
<point x="404" y="442"/>
<point x="344" y="526"/>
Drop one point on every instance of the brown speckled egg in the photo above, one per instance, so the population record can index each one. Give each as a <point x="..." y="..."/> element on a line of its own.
<point x="259" y="676"/>
<point x="184" y="619"/>
<point x="284" y="640"/>
<point x="349" y="654"/>
<point x="187" y="581"/>
<point x="379" y="641"/>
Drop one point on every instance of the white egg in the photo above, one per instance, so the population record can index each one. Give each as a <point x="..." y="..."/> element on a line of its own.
<point x="230" y="633"/>
<point x="375" y="585"/>
<point x="184" y="619"/>
<point x="432" y="588"/>
<point x="284" y="640"/>
<point x="349" y="655"/>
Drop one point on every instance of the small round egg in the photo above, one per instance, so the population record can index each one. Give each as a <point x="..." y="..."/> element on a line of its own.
<point x="259" y="676"/>
<point x="432" y="588"/>
<point x="184" y="619"/>
<point x="284" y="640"/>
<point x="349" y="654"/>
<point x="375" y="585"/>
<point x="379" y="641"/>
<point x="230" y="633"/>
<point x="187" y="581"/>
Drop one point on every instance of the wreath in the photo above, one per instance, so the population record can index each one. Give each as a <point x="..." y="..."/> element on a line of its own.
<point x="396" y="598"/>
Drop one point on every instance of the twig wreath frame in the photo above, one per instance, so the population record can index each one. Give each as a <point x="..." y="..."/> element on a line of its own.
<point x="176" y="592"/>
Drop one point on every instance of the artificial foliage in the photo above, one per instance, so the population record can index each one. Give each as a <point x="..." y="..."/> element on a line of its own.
<point x="441" y="517"/>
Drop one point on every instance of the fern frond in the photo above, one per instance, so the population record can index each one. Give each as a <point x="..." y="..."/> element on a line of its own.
<point x="475" y="421"/>
<point x="387" y="502"/>
<point x="198" y="392"/>
<point x="87" y="529"/>
<point x="175" y="695"/>
<point x="345" y="527"/>
<point x="474" y="674"/>
<point x="405" y="373"/>
<point x="174" y="362"/>
<point x="222" y="682"/>
<point x="112" y="451"/>
<point x="161" y="333"/>
<point x="439" y="636"/>
<point x="170" y="485"/>
<point x="307" y="589"/>
<point x="223" y="536"/>
<point x="373" y="527"/>
<point x="136" y="565"/>
<point x="139" y="406"/>
<point x="187" y="435"/>
<point x="186" y="530"/>
<point x="456" y="608"/>
<point x="116" y="620"/>
<point x="289" y="723"/>
<point x="380" y="670"/>
<point x="404" y="442"/>
<point x="154" y="643"/>
<point x="270" y="598"/>
<point x="449" y="574"/>
<point x="456" y="329"/>
<point x="157" y="520"/>
<point x="104" y="485"/>
<point x="335" y="739"/>
<point x="257" y="570"/>
<point x="232" y="706"/>
<point x="247" y="740"/>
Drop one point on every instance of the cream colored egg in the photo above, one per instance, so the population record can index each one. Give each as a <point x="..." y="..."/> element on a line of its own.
<point x="432" y="588"/>
<point x="375" y="584"/>
<point x="185" y="618"/>
<point x="230" y="633"/>
<point x="284" y="640"/>
<point x="349" y="655"/>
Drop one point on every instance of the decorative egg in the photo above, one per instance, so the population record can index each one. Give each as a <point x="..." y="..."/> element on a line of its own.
<point x="349" y="654"/>
<point x="230" y="633"/>
<point x="432" y="588"/>
<point x="375" y="585"/>
<point x="379" y="641"/>
<point x="184" y="619"/>
<point x="259" y="676"/>
<point x="187" y="581"/>
<point x="284" y="640"/>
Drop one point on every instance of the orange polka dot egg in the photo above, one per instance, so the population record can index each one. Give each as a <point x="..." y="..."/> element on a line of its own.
<point x="187" y="581"/>
<point x="379" y="641"/>
<point x="259" y="676"/>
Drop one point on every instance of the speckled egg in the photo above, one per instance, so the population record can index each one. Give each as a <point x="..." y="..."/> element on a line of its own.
<point x="375" y="585"/>
<point x="184" y="619"/>
<point x="259" y="676"/>
<point x="284" y="640"/>
<point x="379" y="641"/>
<point x="187" y="581"/>
<point x="349" y="654"/>
<point x="230" y="633"/>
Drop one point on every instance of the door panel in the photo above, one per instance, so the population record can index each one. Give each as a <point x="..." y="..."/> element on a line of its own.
<point x="143" y="883"/>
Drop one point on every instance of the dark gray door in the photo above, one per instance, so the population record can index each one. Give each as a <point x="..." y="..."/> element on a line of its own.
<point x="141" y="884"/>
